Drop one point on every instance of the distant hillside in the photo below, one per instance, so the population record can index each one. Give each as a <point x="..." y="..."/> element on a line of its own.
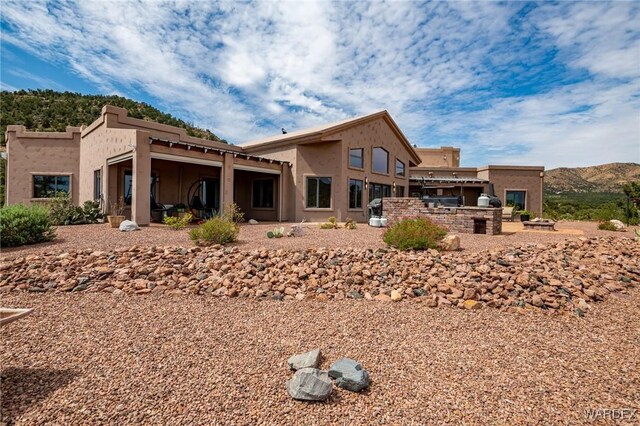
<point x="48" y="110"/>
<point x="603" y="178"/>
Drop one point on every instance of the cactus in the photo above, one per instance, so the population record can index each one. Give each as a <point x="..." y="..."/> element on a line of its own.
<point x="270" y="234"/>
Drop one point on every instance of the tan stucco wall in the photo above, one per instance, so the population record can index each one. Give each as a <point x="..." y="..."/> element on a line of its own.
<point x="516" y="178"/>
<point x="445" y="156"/>
<point x="96" y="148"/>
<point x="330" y="158"/>
<point x="29" y="153"/>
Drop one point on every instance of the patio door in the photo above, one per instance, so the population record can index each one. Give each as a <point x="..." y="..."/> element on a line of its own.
<point x="211" y="194"/>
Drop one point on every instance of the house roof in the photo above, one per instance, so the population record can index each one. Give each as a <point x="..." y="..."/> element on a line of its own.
<point x="320" y="133"/>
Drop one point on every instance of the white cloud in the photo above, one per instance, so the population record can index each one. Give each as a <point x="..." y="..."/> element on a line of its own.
<point x="443" y="70"/>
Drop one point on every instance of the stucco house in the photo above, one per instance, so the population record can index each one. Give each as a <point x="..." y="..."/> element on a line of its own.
<point x="330" y="170"/>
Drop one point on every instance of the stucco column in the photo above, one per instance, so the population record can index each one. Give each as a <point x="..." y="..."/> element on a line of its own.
<point x="141" y="173"/>
<point x="227" y="181"/>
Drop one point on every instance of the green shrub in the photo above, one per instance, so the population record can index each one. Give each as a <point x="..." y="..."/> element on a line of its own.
<point x="178" y="223"/>
<point x="414" y="234"/>
<point x="607" y="226"/>
<point x="63" y="212"/>
<point x="21" y="225"/>
<point x="217" y="230"/>
<point x="331" y="224"/>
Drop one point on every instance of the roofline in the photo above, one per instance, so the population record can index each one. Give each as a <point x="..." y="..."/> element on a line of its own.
<point x="322" y="134"/>
<point x="507" y="167"/>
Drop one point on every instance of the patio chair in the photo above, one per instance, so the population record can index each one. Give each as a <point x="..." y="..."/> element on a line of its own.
<point x="508" y="214"/>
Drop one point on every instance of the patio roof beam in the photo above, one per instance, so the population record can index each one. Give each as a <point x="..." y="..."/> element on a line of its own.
<point x="206" y="149"/>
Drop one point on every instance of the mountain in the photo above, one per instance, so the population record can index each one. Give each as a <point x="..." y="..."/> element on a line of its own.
<point x="603" y="178"/>
<point x="48" y="110"/>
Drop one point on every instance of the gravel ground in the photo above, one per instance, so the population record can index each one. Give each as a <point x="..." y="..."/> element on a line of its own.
<point x="102" y="237"/>
<point x="98" y="359"/>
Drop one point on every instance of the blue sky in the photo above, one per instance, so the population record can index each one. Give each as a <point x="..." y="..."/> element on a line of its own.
<point x="553" y="84"/>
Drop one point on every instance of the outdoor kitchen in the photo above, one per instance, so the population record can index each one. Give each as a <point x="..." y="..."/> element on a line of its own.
<point x="467" y="220"/>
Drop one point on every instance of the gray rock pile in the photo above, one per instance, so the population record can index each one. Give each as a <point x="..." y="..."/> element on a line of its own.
<point x="312" y="384"/>
<point x="559" y="276"/>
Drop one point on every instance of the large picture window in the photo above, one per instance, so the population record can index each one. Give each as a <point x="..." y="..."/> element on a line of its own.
<point x="319" y="192"/>
<point x="356" y="158"/>
<point x="97" y="184"/>
<point x="46" y="186"/>
<point x="399" y="168"/>
<point x="516" y="199"/>
<point x="262" y="194"/>
<point x="380" y="160"/>
<point x="355" y="194"/>
<point x="377" y="190"/>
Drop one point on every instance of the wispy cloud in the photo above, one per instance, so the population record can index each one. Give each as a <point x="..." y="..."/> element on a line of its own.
<point x="520" y="83"/>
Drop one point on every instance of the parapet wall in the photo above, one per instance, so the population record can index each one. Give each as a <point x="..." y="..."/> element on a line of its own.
<point x="465" y="220"/>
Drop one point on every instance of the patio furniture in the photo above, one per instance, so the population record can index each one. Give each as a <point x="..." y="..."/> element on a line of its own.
<point x="508" y="214"/>
<point x="8" y="315"/>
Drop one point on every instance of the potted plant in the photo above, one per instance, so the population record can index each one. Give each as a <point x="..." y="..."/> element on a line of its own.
<point x="526" y="215"/>
<point x="117" y="209"/>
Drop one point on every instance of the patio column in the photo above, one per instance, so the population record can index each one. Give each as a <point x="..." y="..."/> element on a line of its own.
<point x="227" y="181"/>
<point x="141" y="171"/>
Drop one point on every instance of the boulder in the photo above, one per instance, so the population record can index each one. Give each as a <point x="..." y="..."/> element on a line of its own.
<point x="349" y="375"/>
<point x="129" y="225"/>
<point x="618" y="224"/>
<point x="306" y="360"/>
<point x="253" y="222"/>
<point x="450" y="243"/>
<point x="310" y="384"/>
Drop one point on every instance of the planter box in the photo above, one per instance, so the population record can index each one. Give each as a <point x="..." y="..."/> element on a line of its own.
<point x="115" y="221"/>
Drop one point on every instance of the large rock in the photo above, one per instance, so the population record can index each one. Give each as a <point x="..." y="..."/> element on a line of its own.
<point x="306" y="360"/>
<point x="253" y="222"/>
<point x="349" y="374"/>
<point x="618" y="224"/>
<point x="310" y="384"/>
<point x="450" y="243"/>
<point x="129" y="225"/>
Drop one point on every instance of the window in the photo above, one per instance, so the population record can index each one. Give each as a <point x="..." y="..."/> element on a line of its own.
<point x="399" y="168"/>
<point x="319" y="192"/>
<point x="356" y="158"/>
<point x="399" y="191"/>
<point x="377" y="190"/>
<point x="45" y="186"/>
<point x="355" y="194"/>
<point x="262" y="194"/>
<point x="128" y="187"/>
<point x="380" y="160"/>
<point x="97" y="184"/>
<point x="516" y="199"/>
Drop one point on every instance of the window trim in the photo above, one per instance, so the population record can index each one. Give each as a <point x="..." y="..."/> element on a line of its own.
<point x="373" y="149"/>
<point x="354" y="209"/>
<point x="404" y="168"/>
<point x="349" y="159"/>
<point x="97" y="187"/>
<point x="526" y="193"/>
<point x="306" y="186"/>
<point x="273" y="194"/>
<point x="32" y="174"/>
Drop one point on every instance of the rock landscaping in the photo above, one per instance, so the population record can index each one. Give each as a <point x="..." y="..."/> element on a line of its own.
<point x="560" y="276"/>
<point x="312" y="384"/>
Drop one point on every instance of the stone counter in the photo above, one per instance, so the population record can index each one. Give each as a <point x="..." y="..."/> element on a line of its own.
<point x="466" y="220"/>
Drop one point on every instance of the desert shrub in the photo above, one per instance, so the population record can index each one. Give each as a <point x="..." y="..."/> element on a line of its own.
<point x="178" y="223"/>
<point x="350" y="224"/>
<point x="217" y="230"/>
<point x="21" y="225"/>
<point x="64" y="212"/>
<point x="276" y="233"/>
<point x="332" y="223"/>
<point x="414" y="234"/>
<point x="232" y="213"/>
<point x="607" y="226"/>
